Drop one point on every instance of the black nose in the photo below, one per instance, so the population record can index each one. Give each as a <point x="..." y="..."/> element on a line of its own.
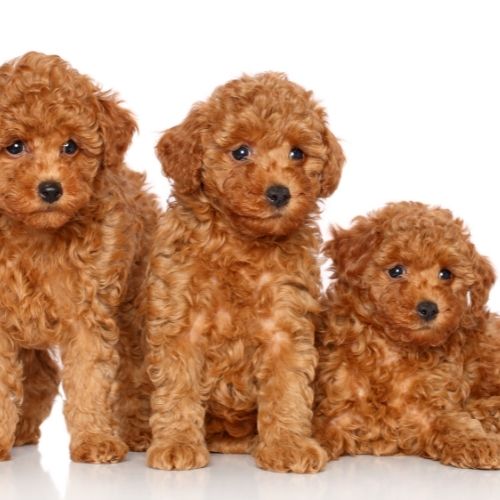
<point x="278" y="196"/>
<point x="50" y="191"/>
<point x="427" y="310"/>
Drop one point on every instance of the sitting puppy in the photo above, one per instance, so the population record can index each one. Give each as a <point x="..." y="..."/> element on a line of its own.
<point x="409" y="355"/>
<point x="74" y="225"/>
<point x="234" y="281"/>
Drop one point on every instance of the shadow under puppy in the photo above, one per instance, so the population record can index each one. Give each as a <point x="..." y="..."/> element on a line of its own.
<point x="234" y="282"/>
<point x="409" y="354"/>
<point x="75" y="225"/>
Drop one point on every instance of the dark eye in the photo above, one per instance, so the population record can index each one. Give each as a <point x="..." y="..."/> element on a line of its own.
<point x="445" y="274"/>
<point x="296" y="154"/>
<point x="396" y="271"/>
<point x="16" y="148"/>
<point x="241" y="153"/>
<point x="69" y="148"/>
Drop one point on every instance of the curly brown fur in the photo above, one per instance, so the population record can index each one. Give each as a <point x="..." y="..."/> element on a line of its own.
<point x="234" y="281"/>
<point x="70" y="267"/>
<point x="392" y="379"/>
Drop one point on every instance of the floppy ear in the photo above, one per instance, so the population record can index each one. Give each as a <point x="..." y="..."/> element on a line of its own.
<point x="351" y="249"/>
<point x="181" y="153"/>
<point x="484" y="279"/>
<point x="332" y="169"/>
<point x="117" y="127"/>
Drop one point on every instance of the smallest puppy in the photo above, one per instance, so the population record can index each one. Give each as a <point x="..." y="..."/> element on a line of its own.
<point x="409" y="355"/>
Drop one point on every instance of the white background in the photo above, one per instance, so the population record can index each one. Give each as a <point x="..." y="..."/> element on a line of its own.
<point x="412" y="89"/>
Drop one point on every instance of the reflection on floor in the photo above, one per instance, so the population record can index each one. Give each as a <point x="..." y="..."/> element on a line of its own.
<point x="45" y="472"/>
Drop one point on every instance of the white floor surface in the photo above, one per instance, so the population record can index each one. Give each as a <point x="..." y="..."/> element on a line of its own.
<point x="46" y="473"/>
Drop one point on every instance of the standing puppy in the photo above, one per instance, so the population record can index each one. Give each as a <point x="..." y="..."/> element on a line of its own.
<point x="74" y="229"/>
<point x="234" y="282"/>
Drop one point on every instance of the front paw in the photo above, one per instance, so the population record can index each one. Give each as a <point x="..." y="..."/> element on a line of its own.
<point x="4" y="454"/>
<point x="98" y="449"/>
<point x="292" y="454"/>
<point x="472" y="454"/>
<point x="177" y="456"/>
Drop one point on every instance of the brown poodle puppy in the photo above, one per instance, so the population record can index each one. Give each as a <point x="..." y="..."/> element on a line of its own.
<point x="74" y="225"/>
<point x="409" y="356"/>
<point x="234" y="281"/>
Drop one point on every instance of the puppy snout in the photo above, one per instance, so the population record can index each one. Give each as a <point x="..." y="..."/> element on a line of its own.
<point x="50" y="191"/>
<point x="427" y="310"/>
<point x="278" y="196"/>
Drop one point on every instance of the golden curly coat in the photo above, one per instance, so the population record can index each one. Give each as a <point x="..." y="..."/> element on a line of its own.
<point x="409" y="355"/>
<point x="75" y="225"/>
<point x="234" y="281"/>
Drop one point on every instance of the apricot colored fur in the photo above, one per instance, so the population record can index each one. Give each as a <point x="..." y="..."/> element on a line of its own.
<point x="70" y="270"/>
<point x="234" y="282"/>
<point x="389" y="382"/>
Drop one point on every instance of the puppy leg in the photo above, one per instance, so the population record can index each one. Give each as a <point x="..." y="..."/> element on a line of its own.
<point x="177" y="419"/>
<point x="133" y="406"/>
<point x="90" y="362"/>
<point x="340" y="416"/>
<point x="175" y="361"/>
<point x="11" y="394"/>
<point x="134" y="388"/>
<point x="41" y="376"/>
<point x="459" y="440"/>
<point x="284" y="407"/>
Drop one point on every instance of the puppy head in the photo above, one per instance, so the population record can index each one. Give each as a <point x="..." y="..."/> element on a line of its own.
<point x="417" y="270"/>
<point x="57" y="131"/>
<point x="259" y="150"/>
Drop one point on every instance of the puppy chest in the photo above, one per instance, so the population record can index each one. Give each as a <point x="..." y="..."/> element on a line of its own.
<point x="241" y="318"/>
<point x="409" y="390"/>
<point x="37" y="301"/>
<point x="235" y="290"/>
<point x="241" y="301"/>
